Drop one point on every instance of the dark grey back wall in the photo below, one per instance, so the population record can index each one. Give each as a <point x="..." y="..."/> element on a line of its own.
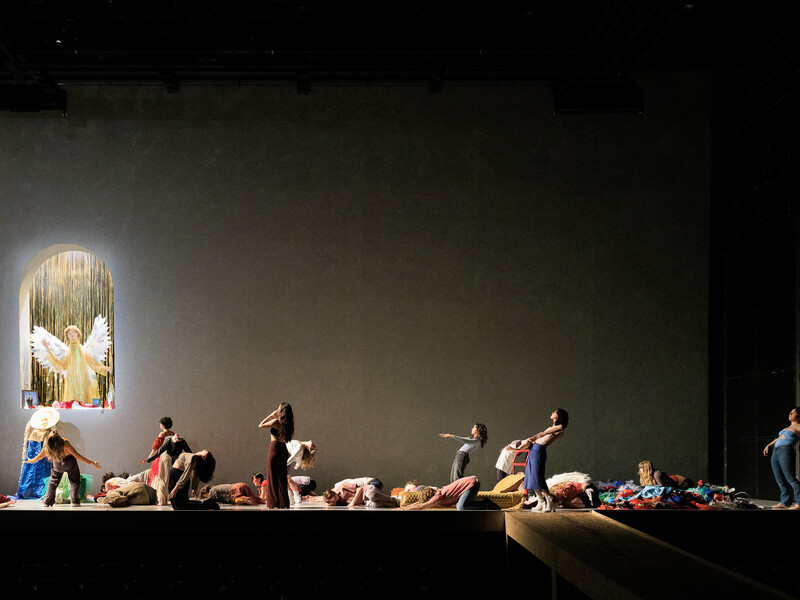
<point x="394" y="264"/>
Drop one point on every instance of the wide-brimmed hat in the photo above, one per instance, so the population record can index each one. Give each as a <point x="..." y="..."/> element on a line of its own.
<point x="44" y="418"/>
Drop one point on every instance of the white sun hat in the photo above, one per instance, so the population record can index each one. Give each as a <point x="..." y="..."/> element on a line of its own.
<point x="44" y="418"/>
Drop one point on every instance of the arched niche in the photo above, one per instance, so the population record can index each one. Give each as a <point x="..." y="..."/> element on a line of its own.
<point x="64" y="285"/>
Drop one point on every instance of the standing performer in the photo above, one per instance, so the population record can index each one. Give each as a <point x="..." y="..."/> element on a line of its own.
<point x="477" y="439"/>
<point x="165" y="423"/>
<point x="783" y="462"/>
<point x="534" y="470"/>
<point x="62" y="455"/>
<point x="505" y="462"/>
<point x="167" y="446"/>
<point x="32" y="477"/>
<point x="77" y="362"/>
<point x="281" y="428"/>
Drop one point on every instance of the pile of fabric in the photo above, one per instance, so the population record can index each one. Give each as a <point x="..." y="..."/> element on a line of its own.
<point x="615" y="495"/>
<point x="574" y="490"/>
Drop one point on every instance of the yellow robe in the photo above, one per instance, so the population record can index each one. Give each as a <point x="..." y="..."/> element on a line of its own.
<point x="79" y="385"/>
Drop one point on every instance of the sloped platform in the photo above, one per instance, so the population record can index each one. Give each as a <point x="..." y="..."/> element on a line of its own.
<point x="597" y="555"/>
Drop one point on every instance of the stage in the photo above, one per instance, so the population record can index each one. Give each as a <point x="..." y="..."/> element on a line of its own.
<point x="311" y="549"/>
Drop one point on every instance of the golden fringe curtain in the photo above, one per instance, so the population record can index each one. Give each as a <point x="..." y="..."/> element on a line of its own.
<point x="71" y="288"/>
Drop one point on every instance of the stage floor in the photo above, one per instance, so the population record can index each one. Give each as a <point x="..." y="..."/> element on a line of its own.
<point x="418" y="553"/>
<point x="27" y="505"/>
<point x="94" y="506"/>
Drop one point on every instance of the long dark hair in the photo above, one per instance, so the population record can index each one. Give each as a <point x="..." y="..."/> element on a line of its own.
<point x="285" y="423"/>
<point x="563" y="418"/>
<point x="204" y="467"/>
<point x="483" y="433"/>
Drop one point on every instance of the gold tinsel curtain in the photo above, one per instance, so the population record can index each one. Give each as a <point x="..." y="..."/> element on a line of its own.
<point x="71" y="288"/>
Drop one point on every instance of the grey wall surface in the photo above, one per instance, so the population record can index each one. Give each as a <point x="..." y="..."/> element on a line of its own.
<point x="394" y="264"/>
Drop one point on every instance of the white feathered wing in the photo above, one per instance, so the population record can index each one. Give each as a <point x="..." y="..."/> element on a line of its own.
<point x="98" y="342"/>
<point x="58" y="347"/>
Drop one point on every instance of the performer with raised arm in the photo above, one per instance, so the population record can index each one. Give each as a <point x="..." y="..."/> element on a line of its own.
<point x="62" y="456"/>
<point x="477" y="439"/>
<point x="280" y="423"/>
<point x="79" y="363"/>
<point x="783" y="462"/>
<point x="534" y="470"/>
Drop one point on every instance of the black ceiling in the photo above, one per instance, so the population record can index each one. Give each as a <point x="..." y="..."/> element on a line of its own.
<point x="436" y="42"/>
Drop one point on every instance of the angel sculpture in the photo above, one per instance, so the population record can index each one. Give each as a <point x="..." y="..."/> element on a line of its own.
<point x="79" y="363"/>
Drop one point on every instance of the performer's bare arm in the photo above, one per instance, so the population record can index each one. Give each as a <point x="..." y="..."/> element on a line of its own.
<point x="37" y="458"/>
<point x="70" y="448"/>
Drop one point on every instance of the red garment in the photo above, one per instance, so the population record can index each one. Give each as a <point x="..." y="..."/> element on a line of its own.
<point x="154" y="466"/>
<point x="449" y="494"/>
<point x="567" y="490"/>
<point x="242" y="490"/>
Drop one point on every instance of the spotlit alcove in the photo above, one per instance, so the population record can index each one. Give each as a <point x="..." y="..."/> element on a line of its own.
<point x="67" y="286"/>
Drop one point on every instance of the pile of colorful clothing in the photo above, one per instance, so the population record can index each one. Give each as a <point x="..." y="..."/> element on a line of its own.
<point x="615" y="495"/>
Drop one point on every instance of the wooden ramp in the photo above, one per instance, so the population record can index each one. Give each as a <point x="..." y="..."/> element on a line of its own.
<point x="591" y="555"/>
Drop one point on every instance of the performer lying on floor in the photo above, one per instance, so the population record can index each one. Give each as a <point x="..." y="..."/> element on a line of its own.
<point x="128" y="494"/>
<point x="649" y="475"/>
<point x="111" y="480"/>
<point x="350" y="494"/>
<point x="304" y="484"/>
<point x="462" y="492"/>
<point x="230" y="493"/>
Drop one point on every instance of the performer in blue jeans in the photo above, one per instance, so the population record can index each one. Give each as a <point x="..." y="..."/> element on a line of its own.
<point x="783" y="462"/>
